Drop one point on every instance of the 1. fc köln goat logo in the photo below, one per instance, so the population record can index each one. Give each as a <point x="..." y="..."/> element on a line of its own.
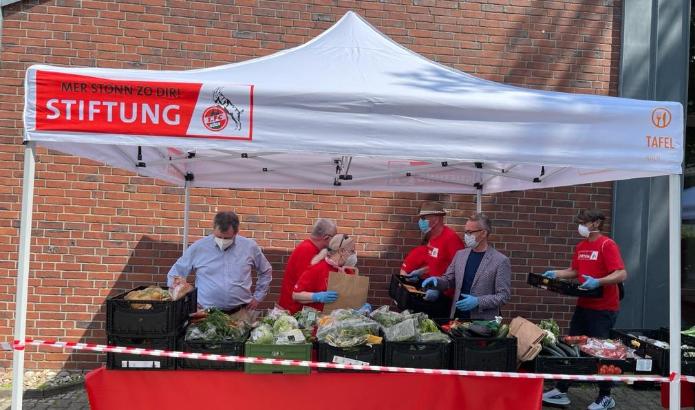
<point x="217" y="117"/>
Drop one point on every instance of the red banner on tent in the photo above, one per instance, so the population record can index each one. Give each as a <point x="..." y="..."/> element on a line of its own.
<point x="77" y="103"/>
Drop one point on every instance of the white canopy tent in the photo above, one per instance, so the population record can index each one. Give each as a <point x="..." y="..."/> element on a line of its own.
<point x="351" y="109"/>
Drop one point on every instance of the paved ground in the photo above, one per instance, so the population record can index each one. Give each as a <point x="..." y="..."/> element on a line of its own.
<point x="581" y="396"/>
<point x="625" y="397"/>
<point x="73" y="400"/>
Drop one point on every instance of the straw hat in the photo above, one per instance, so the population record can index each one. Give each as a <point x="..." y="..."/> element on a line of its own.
<point x="432" y="208"/>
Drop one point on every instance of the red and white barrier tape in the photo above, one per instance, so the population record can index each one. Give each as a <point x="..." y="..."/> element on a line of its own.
<point x="690" y="379"/>
<point x="18" y="345"/>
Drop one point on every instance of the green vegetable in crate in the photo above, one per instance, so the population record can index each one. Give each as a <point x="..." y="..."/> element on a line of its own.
<point x="456" y="328"/>
<point x="549" y="350"/>
<point x="493" y="325"/>
<point x="552" y="331"/>
<point x="567" y="350"/>
<point x="217" y="326"/>
<point x="306" y="317"/>
<point x="427" y="325"/>
<point x="550" y="325"/>
<point x="549" y="339"/>
<point x="480" y="330"/>
<point x="285" y="323"/>
<point x="503" y="332"/>
<point x="387" y="318"/>
<point x="263" y="334"/>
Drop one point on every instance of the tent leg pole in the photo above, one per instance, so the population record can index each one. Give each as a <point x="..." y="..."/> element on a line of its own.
<point x="186" y="209"/>
<point x="674" y="224"/>
<point x="479" y="201"/>
<point x="20" y="321"/>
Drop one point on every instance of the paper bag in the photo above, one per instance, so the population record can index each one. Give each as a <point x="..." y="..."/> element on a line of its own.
<point x="352" y="291"/>
<point x="528" y="337"/>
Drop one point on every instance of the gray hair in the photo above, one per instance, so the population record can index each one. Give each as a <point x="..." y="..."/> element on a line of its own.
<point x="324" y="227"/>
<point x="483" y="221"/>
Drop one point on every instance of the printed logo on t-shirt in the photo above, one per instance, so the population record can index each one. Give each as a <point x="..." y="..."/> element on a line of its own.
<point x="587" y="256"/>
<point x="434" y="252"/>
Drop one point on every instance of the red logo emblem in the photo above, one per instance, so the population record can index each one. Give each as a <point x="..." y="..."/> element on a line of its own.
<point x="661" y="117"/>
<point x="215" y="118"/>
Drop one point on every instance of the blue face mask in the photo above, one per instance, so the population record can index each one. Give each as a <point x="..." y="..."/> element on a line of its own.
<point x="424" y="225"/>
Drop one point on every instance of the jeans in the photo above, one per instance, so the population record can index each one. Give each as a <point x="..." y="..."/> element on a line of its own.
<point x="592" y="323"/>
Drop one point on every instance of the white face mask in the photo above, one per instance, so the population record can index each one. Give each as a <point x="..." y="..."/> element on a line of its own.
<point x="584" y="231"/>
<point x="224" y="243"/>
<point x="470" y="241"/>
<point x="351" y="260"/>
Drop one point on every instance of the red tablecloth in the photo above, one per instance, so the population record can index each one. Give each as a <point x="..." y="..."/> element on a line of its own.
<point x="169" y="390"/>
<point x="686" y="395"/>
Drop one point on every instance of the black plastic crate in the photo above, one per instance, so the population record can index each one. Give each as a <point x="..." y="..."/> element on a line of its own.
<point x="484" y="353"/>
<point x="221" y="348"/>
<point x="565" y="365"/>
<point x="162" y="318"/>
<point x="127" y="361"/>
<point x="658" y="355"/>
<point x="403" y="298"/>
<point x="661" y="355"/>
<point x="418" y="355"/>
<point x="374" y="355"/>
<point x="564" y="287"/>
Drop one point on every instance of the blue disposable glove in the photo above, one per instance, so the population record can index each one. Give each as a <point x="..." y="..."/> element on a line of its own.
<point x="365" y="309"/>
<point x="432" y="294"/>
<point x="589" y="283"/>
<point x="324" y="297"/>
<point x="429" y="283"/>
<point x="550" y="274"/>
<point x="467" y="302"/>
<point x="414" y="276"/>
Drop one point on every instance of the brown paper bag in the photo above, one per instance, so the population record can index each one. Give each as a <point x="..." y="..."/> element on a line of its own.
<point x="352" y="291"/>
<point x="528" y="338"/>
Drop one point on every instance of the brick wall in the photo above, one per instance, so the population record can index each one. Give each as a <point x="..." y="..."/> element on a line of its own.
<point x="99" y="230"/>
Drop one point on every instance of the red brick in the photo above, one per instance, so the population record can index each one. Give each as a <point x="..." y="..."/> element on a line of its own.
<point x="94" y="223"/>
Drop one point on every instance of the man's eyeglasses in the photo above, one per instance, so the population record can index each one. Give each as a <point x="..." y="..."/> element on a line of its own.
<point x="472" y="232"/>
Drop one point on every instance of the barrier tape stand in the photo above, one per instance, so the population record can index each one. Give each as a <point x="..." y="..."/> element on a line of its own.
<point x="19" y="345"/>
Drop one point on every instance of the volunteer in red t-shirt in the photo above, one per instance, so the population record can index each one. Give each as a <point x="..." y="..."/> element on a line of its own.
<point x="596" y="263"/>
<point x="312" y="287"/>
<point x="300" y="260"/>
<point x="442" y="245"/>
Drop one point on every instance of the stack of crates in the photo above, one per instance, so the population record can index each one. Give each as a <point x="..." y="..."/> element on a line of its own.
<point x="146" y="324"/>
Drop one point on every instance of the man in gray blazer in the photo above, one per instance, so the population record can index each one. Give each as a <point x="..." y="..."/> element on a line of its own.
<point x="480" y="275"/>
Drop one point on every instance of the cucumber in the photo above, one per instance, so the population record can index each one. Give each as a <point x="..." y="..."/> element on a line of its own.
<point x="502" y="333"/>
<point x="560" y="352"/>
<point x="550" y="352"/>
<point x="566" y="349"/>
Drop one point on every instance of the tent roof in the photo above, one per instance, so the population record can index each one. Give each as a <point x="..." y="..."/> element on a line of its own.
<point x="350" y="109"/>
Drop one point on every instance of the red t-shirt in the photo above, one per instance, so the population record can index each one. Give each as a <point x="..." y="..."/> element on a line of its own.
<point x="416" y="259"/>
<point x="299" y="261"/>
<point x="315" y="279"/>
<point x="598" y="259"/>
<point x="441" y="250"/>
